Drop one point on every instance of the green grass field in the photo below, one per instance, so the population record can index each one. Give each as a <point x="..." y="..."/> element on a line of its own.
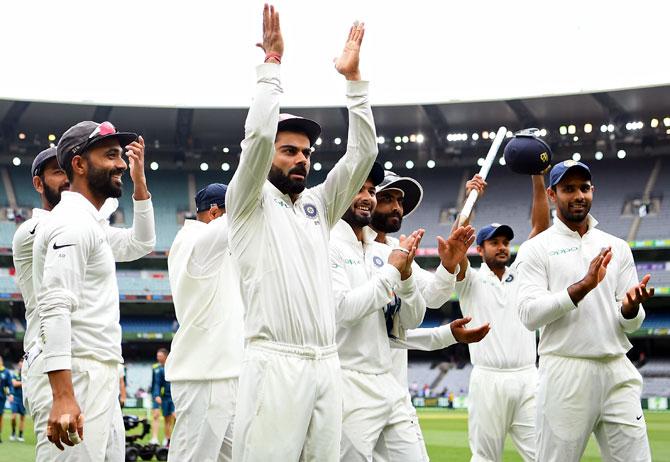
<point x="445" y="432"/>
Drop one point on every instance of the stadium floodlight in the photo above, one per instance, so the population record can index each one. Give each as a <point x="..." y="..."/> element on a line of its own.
<point x="397" y="139"/>
<point x="572" y="129"/>
<point x="317" y="166"/>
<point x="204" y="167"/>
<point x="412" y="138"/>
<point x="312" y="149"/>
<point x="420" y="138"/>
<point x="610" y="128"/>
<point x="337" y="141"/>
<point x="563" y="130"/>
<point x="430" y="163"/>
<point x="575" y="138"/>
<point x="52" y="145"/>
<point x="492" y="134"/>
<point x="398" y="147"/>
<point x="599" y="155"/>
<point x="480" y="161"/>
<point x="666" y="121"/>
<point x="654" y="123"/>
<point x="475" y="136"/>
<point x="588" y="128"/>
<point x="405" y="139"/>
<point x="576" y="156"/>
<point x="621" y="154"/>
<point x="501" y="161"/>
<point x="543" y="132"/>
<point x="485" y="135"/>
<point x="319" y="141"/>
<point x="22" y="136"/>
<point x="509" y="134"/>
<point x="388" y="165"/>
<point x="16" y="161"/>
<point x="51" y="137"/>
<point x="225" y="166"/>
<point x="154" y="166"/>
<point x="603" y="128"/>
<point x="409" y="164"/>
<point x="226" y="150"/>
<point x="381" y="140"/>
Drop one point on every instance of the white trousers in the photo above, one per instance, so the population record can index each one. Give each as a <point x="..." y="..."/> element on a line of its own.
<point x="381" y="452"/>
<point x="205" y="411"/>
<point x="376" y="415"/>
<point x="501" y="401"/>
<point x="289" y="404"/>
<point x="96" y="389"/>
<point x="577" y="397"/>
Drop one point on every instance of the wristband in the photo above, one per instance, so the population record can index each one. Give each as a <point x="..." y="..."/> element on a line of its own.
<point x="401" y="249"/>
<point x="276" y="56"/>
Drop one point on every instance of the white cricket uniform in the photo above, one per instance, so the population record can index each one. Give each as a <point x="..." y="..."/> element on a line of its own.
<point x="78" y="307"/>
<point x="586" y="384"/>
<point x="206" y="354"/>
<point x="290" y="399"/>
<point x="501" y="399"/>
<point x="372" y="304"/>
<point x="436" y="289"/>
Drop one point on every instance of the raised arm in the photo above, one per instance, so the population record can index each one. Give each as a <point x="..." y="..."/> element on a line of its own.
<point x="540" y="219"/>
<point x="132" y="243"/>
<point x="478" y="183"/>
<point x="351" y="171"/>
<point x="260" y="128"/>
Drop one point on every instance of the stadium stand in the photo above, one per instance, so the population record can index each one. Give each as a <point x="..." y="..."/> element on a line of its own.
<point x="456" y="380"/>
<point x="657" y="225"/>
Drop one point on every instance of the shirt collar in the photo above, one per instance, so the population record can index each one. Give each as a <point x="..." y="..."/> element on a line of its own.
<point x="484" y="270"/>
<point x="343" y="231"/>
<point x="285" y="197"/>
<point x="76" y="200"/>
<point x="563" y="228"/>
<point x="39" y="212"/>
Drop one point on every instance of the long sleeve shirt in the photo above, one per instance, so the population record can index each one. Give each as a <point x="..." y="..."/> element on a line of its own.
<point x="554" y="260"/>
<point x="6" y="387"/>
<point x="74" y="276"/>
<point x="209" y="343"/>
<point x="281" y="246"/>
<point x="484" y="297"/>
<point x="370" y="298"/>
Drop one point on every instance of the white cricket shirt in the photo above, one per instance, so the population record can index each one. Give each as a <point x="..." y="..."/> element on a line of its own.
<point x="209" y="343"/>
<point x="281" y="247"/>
<point x="74" y="277"/>
<point x="554" y="260"/>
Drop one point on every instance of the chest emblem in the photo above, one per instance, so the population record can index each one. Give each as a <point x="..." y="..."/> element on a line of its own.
<point x="378" y="262"/>
<point x="510" y="278"/>
<point x="311" y="211"/>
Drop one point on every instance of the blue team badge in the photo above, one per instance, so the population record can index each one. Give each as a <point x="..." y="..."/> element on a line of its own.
<point x="310" y="211"/>
<point x="510" y="278"/>
<point x="377" y="261"/>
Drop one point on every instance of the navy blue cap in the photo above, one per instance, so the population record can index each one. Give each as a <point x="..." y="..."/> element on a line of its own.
<point x="560" y="169"/>
<point x="376" y="174"/>
<point x="527" y="154"/>
<point x="41" y="159"/>
<point x="214" y="193"/>
<point x="494" y="230"/>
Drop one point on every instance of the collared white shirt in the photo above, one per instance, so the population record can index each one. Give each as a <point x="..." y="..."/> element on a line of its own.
<point x="281" y="247"/>
<point x="209" y="343"/>
<point x="508" y="345"/>
<point x="366" y="287"/>
<point x="74" y="277"/>
<point x="22" y="253"/>
<point x="554" y="260"/>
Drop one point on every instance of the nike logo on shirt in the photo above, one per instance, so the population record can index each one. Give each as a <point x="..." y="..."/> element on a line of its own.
<point x="56" y="246"/>
<point x="638" y="418"/>
<point x="33" y="231"/>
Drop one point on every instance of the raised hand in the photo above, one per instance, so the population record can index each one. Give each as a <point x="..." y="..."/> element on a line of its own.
<point x="403" y="255"/>
<point x="636" y="295"/>
<point x="476" y="183"/>
<point x="465" y="335"/>
<point x="596" y="273"/>
<point x="135" y="154"/>
<point x="454" y="249"/>
<point x="347" y="63"/>
<point x="273" y="43"/>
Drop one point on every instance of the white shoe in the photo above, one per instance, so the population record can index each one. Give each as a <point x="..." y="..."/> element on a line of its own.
<point x="12" y="438"/>
<point x="164" y="441"/>
<point x="153" y="441"/>
<point x="21" y="439"/>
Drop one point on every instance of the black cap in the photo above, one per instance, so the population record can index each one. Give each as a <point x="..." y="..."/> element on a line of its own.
<point x="77" y="139"/>
<point x="211" y="194"/>
<point x="41" y="159"/>
<point x="412" y="192"/>
<point x="527" y="154"/>
<point x="293" y="123"/>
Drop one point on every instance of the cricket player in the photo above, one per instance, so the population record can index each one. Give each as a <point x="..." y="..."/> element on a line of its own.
<point x="290" y="399"/>
<point x="162" y="395"/>
<point x="579" y="286"/>
<point x="501" y="399"/>
<point x="18" y="410"/>
<point x="156" y="371"/>
<point x="375" y="299"/>
<point x="204" y="364"/>
<point x="74" y="277"/>
<point x="397" y="197"/>
<point x="6" y="391"/>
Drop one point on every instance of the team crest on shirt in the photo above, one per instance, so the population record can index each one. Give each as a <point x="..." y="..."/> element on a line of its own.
<point x="510" y="278"/>
<point x="378" y="262"/>
<point x="311" y="211"/>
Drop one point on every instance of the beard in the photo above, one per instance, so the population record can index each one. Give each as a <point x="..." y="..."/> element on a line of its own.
<point x="53" y="195"/>
<point x="493" y="262"/>
<point x="101" y="183"/>
<point x="354" y="220"/>
<point x="574" y="217"/>
<point x="382" y="222"/>
<point x="284" y="183"/>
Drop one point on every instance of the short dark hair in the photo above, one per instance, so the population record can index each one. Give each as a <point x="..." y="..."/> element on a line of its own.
<point x="163" y="350"/>
<point x="67" y="168"/>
